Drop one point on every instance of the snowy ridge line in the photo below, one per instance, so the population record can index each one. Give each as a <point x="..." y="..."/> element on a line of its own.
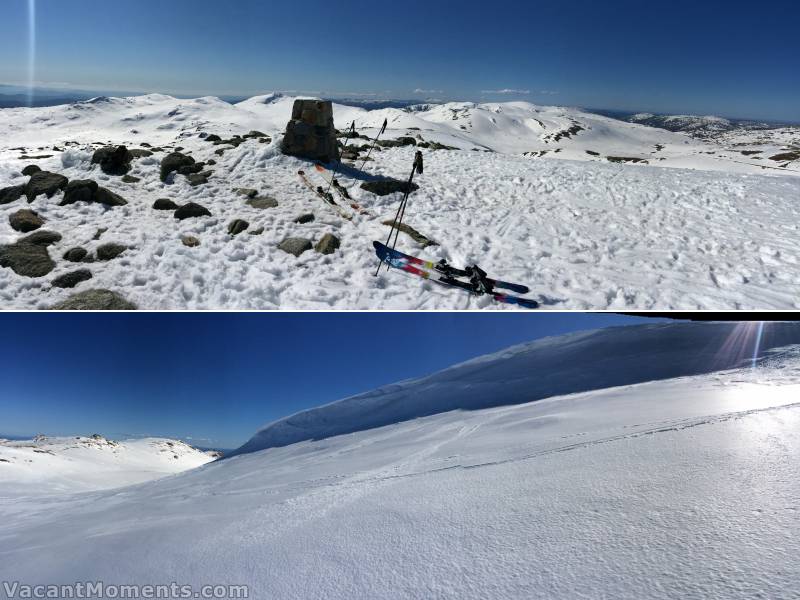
<point x="535" y="371"/>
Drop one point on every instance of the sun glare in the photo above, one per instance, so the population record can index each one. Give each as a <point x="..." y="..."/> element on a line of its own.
<point x="743" y="344"/>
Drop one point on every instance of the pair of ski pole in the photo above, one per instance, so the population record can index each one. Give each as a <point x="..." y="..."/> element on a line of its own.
<point x="401" y="210"/>
<point x="351" y="133"/>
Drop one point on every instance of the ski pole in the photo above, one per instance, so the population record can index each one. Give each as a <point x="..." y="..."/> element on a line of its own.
<point x="347" y="139"/>
<point x="417" y="169"/>
<point x="402" y="208"/>
<point x="375" y="141"/>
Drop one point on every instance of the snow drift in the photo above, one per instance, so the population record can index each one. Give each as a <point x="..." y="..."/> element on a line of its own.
<point x="554" y="366"/>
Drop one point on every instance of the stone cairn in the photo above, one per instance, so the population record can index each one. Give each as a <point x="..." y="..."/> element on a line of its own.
<point x="311" y="134"/>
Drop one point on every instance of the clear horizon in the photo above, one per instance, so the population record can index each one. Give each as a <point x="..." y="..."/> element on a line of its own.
<point x="214" y="379"/>
<point x="620" y="56"/>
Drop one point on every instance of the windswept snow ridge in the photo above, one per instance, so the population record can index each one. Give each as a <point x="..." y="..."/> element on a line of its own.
<point x="549" y="367"/>
<point x="574" y="205"/>
<point x="683" y="487"/>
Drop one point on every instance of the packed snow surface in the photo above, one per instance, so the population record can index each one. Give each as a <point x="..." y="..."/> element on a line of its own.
<point x="588" y="211"/>
<point x="682" y="487"/>
<point x="75" y="464"/>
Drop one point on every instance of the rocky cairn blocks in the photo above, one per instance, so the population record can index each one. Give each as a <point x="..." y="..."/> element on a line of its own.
<point x="311" y="134"/>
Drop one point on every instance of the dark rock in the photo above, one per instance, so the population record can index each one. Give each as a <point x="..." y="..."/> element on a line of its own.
<point x="237" y="226"/>
<point x="306" y="218"/>
<point x="249" y="192"/>
<point x="191" y="209"/>
<point x="44" y="182"/>
<point x="109" y="198"/>
<point x="79" y="190"/>
<point x="262" y="202"/>
<point x="190" y="240"/>
<point x="30" y="170"/>
<point x="130" y="179"/>
<point x="413" y="233"/>
<point x="255" y="134"/>
<point x="41" y="238"/>
<point x="196" y="179"/>
<point x="28" y="256"/>
<point x="211" y="161"/>
<point x="213" y="138"/>
<point x="71" y="279"/>
<point x="25" y="220"/>
<point x="328" y="244"/>
<point x="99" y="233"/>
<point x="219" y="151"/>
<point x="311" y="134"/>
<point x="97" y="299"/>
<point x="113" y="160"/>
<point x="110" y="251"/>
<point x="75" y="254"/>
<point x="11" y="194"/>
<point x="174" y="161"/>
<point x="140" y="152"/>
<point x="258" y="231"/>
<point x="164" y="204"/>
<point x="401" y="141"/>
<point x="189" y="169"/>
<point x="295" y="246"/>
<point x="786" y="156"/>
<point x="384" y="187"/>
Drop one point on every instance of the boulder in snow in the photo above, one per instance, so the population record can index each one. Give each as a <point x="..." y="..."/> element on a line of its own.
<point x="44" y="182"/>
<point x="95" y="299"/>
<point x="384" y="187"/>
<point x="328" y="244"/>
<point x="295" y="246"/>
<point x="11" y="194"/>
<point x="73" y="278"/>
<point x="174" y="161"/>
<point x="191" y="209"/>
<point x="28" y="256"/>
<point x="30" y="170"/>
<point x="110" y="251"/>
<point x="113" y="160"/>
<point x="237" y="226"/>
<point x="25" y="220"/>
<point x="164" y="204"/>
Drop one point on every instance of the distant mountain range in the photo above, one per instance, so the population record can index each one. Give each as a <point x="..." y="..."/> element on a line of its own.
<point x="696" y="125"/>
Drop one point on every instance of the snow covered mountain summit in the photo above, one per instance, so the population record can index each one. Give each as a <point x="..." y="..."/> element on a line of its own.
<point x="566" y="364"/>
<point x="573" y="205"/>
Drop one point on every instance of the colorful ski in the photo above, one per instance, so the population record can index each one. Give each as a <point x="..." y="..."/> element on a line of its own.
<point x="447" y="270"/>
<point x="327" y="198"/>
<point x="399" y="261"/>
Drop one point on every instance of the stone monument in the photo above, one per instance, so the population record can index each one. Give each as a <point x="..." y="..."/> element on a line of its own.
<point x="311" y="134"/>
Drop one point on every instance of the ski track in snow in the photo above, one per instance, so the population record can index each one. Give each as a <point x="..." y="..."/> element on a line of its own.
<point x="581" y="235"/>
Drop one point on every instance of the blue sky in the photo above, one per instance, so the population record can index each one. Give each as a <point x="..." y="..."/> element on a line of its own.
<point x="215" y="378"/>
<point x="733" y="58"/>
